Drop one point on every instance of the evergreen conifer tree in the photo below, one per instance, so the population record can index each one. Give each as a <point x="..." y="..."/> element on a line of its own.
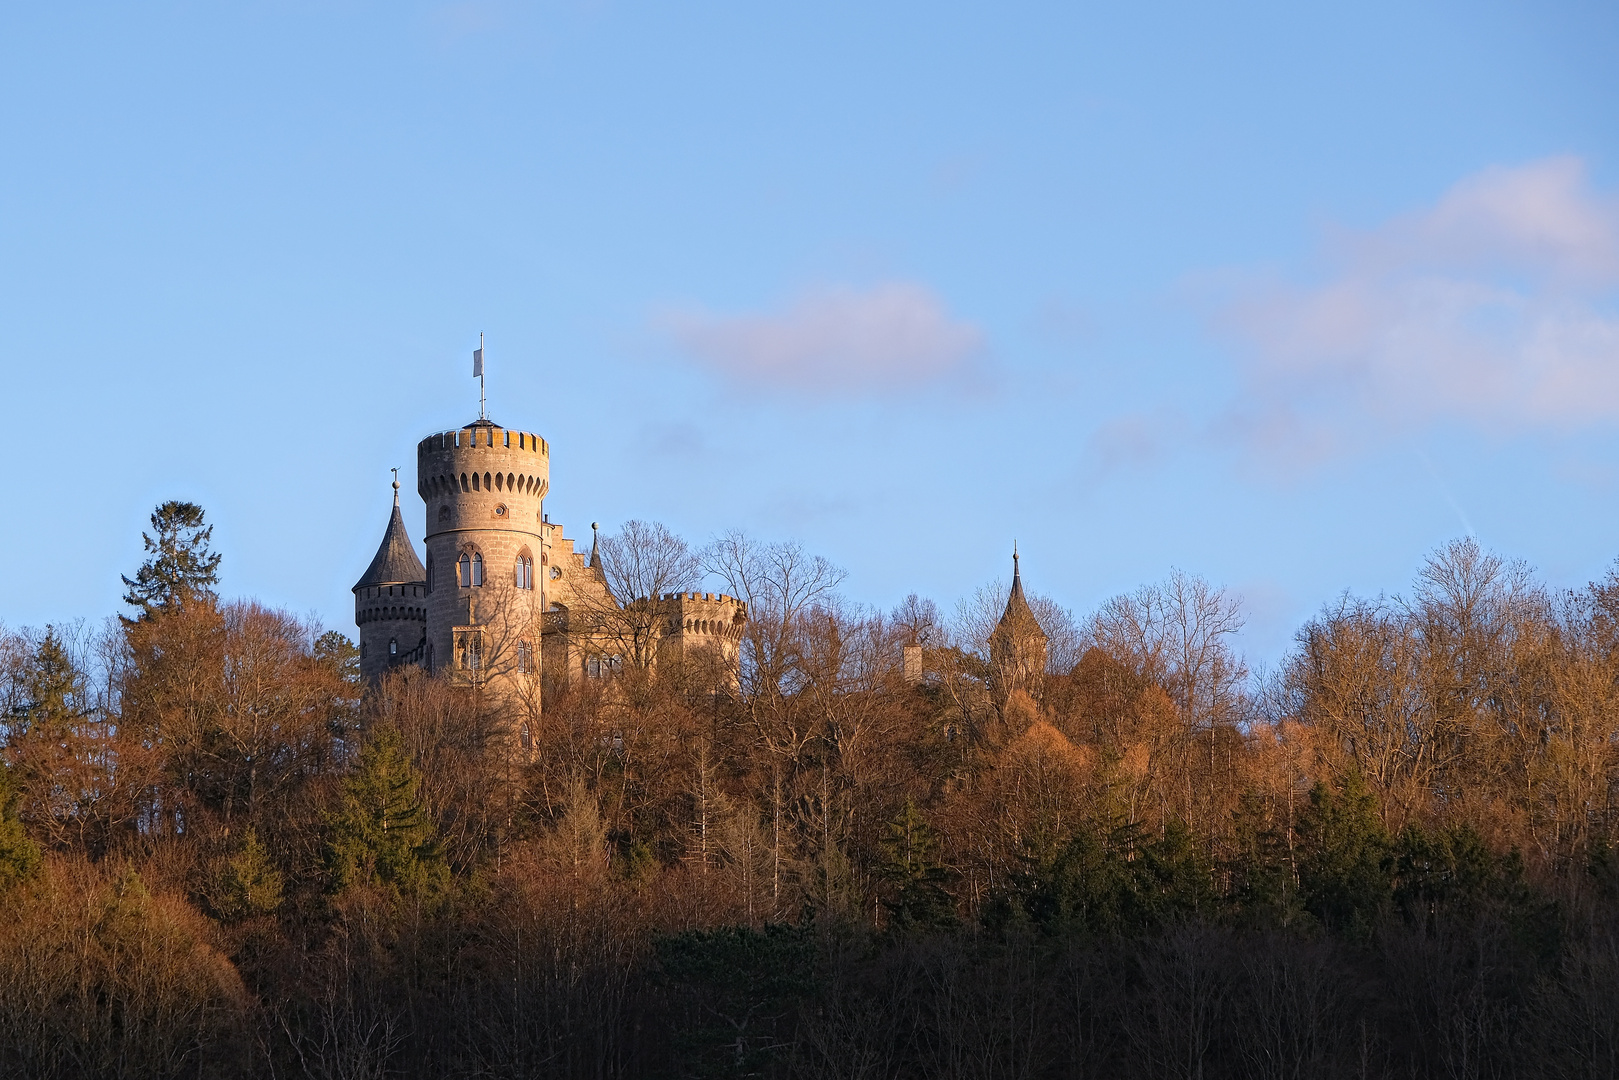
<point x="248" y="883"/>
<point x="180" y="566"/>
<point x="910" y="864"/>
<point x="1344" y="863"/>
<point x="19" y="856"/>
<point x="380" y="834"/>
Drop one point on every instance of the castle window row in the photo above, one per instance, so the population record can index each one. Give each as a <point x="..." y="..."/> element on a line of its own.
<point x="468" y="482"/>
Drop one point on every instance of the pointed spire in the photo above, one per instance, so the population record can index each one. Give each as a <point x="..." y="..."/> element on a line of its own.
<point x="396" y="562"/>
<point x="595" y="549"/>
<point x="1018" y="614"/>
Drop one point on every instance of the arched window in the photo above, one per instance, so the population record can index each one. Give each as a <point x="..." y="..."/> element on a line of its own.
<point x="477" y="569"/>
<point x="393" y="648"/>
<point x="525" y="661"/>
<point x="464" y="570"/>
<point x="525" y="571"/>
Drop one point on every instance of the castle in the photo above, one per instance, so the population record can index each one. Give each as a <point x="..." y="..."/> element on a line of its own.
<point x="503" y="595"/>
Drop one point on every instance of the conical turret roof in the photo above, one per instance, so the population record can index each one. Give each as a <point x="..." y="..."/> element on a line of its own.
<point x="396" y="562"/>
<point x="1019" y="617"/>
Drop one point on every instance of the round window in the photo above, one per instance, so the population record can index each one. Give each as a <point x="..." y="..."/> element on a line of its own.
<point x="500" y="511"/>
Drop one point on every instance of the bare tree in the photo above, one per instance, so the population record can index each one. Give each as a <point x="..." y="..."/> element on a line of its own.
<point x="641" y="564"/>
<point x="779" y="582"/>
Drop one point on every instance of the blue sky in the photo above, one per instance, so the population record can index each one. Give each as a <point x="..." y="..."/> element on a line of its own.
<point x="1284" y="295"/>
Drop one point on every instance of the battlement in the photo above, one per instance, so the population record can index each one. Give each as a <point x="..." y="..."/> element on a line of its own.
<point x="702" y="597"/>
<point x="484" y="437"/>
<point x="483" y="459"/>
<point x="705" y="614"/>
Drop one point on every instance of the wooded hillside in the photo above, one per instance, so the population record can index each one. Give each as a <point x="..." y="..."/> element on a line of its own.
<point x="221" y="855"/>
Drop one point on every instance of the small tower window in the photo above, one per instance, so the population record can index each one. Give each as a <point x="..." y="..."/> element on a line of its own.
<point x="430" y="572"/>
<point x="525" y="572"/>
<point x="393" y="648"/>
<point x="464" y="570"/>
<point x="477" y="569"/>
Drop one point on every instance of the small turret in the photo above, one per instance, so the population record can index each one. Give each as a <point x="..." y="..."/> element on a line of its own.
<point x="390" y="601"/>
<point x="1018" y="646"/>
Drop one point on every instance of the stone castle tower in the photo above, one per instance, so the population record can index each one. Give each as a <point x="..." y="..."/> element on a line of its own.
<point x="390" y="603"/>
<point x="502" y="587"/>
<point x="484" y="488"/>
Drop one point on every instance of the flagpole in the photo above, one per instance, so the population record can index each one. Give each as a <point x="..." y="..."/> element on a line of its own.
<point x="483" y="410"/>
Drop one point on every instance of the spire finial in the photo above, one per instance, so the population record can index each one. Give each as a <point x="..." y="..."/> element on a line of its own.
<point x="396" y="487"/>
<point x="595" y="554"/>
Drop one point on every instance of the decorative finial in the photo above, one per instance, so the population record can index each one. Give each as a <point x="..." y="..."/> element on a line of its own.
<point x="396" y="487"/>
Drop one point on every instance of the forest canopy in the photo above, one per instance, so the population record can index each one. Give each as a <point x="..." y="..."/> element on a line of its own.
<point x="222" y="854"/>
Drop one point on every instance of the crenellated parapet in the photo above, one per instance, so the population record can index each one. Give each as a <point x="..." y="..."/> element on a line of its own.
<point x="697" y="615"/>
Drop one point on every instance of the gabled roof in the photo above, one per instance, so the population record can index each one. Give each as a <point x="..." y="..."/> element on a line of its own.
<point x="396" y="562"/>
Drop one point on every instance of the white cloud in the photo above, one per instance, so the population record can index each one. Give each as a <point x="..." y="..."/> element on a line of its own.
<point x="1499" y="306"/>
<point x="891" y="337"/>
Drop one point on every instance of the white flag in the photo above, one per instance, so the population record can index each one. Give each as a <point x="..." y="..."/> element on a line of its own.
<point x="477" y="363"/>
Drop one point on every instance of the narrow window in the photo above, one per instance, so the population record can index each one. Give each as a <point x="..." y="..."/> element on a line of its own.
<point x="477" y="569"/>
<point x="464" y="577"/>
<point x="393" y="648"/>
<point x="464" y="482"/>
<point x="430" y="572"/>
<point x="474" y="481"/>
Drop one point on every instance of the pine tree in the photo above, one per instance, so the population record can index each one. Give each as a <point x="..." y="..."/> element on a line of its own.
<point x="335" y="649"/>
<point x="53" y="687"/>
<point x="380" y="834"/>
<point x="180" y="566"/>
<point x="248" y="884"/>
<point x="19" y="856"/>
<point x="1344" y="863"/>
<point x="911" y="866"/>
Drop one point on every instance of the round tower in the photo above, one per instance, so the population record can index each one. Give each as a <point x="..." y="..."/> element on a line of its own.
<point x="484" y="487"/>
<point x="390" y="603"/>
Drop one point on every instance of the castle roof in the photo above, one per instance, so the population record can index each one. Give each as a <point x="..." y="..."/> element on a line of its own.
<point x="396" y="562"/>
<point x="1018" y="617"/>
